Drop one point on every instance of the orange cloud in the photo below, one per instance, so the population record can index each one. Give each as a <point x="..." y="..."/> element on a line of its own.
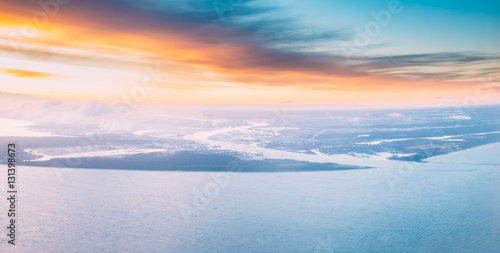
<point x="27" y="73"/>
<point x="199" y="55"/>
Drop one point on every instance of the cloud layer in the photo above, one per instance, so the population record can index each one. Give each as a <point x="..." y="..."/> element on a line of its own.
<point x="251" y="44"/>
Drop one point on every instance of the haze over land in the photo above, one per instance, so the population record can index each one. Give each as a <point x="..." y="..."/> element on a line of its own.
<point x="337" y="139"/>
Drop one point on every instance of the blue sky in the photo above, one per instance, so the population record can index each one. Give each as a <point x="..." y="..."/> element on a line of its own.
<point x="422" y="26"/>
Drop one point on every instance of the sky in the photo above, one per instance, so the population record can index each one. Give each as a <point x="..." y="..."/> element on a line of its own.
<point x="381" y="53"/>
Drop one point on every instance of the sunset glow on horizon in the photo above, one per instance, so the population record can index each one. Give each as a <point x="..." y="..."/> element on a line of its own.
<point x="406" y="53"/>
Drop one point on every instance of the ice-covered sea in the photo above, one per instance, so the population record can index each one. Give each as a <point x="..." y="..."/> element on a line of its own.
<point x="450" y="204"/>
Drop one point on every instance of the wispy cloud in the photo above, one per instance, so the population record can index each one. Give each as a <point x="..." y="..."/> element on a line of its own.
<point x="252" y="38"/>
<point x="256" y="45"/>
<point x="433" y="59"/>
<point x="27" y="73"/>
